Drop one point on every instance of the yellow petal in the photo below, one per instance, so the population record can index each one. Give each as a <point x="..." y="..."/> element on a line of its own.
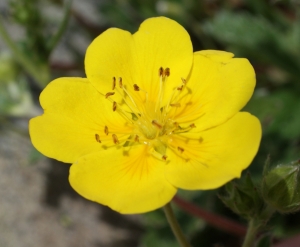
<point x="128" y="182"/>
<point x="162" y="42"/>
<point x="219" y="86"/>
<point x="159" y="42"/>
<point x="213" y="157"/>
<point x="74" y="112"/>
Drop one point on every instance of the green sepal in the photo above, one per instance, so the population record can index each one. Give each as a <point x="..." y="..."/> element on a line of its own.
<point x="243" y="198"/>
<point x="281" y="186"/>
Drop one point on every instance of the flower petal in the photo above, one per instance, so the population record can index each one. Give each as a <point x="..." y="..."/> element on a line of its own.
<point x="213" y="157"/>
<point x="219" y="86"/>
<point x="74" y="112"/>
<point x="128" y="182"/>
<point x="159" y="42"/>
<point x="162" y="42"/>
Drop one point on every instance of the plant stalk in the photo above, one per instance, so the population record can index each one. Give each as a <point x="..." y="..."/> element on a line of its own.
<point x="251" y="234"/>
<point x="175" y="226"/>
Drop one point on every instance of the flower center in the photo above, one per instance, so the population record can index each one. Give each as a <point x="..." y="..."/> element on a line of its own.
<point x="152" y="125"/>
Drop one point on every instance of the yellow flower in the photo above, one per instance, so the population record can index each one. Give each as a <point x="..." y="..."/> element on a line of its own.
<point x="151" y="117"/>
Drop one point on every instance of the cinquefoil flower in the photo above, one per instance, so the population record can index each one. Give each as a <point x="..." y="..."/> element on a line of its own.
<point x="151" y="117"/>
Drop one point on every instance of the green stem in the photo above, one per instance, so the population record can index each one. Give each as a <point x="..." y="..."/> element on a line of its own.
<point x="63" y="25"/>
<point x="175" y="226"/>
<point x="251" y="234"/>
<point x="22" y="59"/>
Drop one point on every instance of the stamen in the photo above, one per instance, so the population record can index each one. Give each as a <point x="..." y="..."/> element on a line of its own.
<point x="183" y="130"/>
<point x="156" y="124"/>
<point x="114" y="83"/>
<point x="173" y="98"/>
<point x="164" y="157"/>
<point x="167" y="72"/>
<point x="114" y="106"/>
<point x="135" y="111"/>
<point x="122" y="112"/>
<point x="109" y="94"/>
<point x="115" y="139"/>
<point x="97" y="138"/>
<point x="175" y="105"/>
<point x="106" y="130"/>
<point x="183" y="81"/>
<point x="120" y="82"/>
<point x="137" y="88"/>
<point x="137" y="138"/>
<point x="161" y="71"/>
<point x="163" y="74"/>
<point x="180" y="149"/>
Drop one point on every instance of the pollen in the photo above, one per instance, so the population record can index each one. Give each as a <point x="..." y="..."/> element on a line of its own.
<point x="164" y="157"/>
<point x="175" y="105"/>
<point x="120" y="82"/>
<point x="115" y="139"/>
<point x="161" y="71"/>
<point x="180" y="88"/>
<point x="167" y="72"/>
<point x="97" y="137"/>
<point x="114" y="83"/>
<point x="156" y="124"/>
<point x="192" y="125"/>
<point x="114" y="106"/>
<point x="137" y="138"/>
<point x="106" y="130"/>
<point x="180" y="149"/>
<point x="136" y="87"/>
<point x="109" y="94"/>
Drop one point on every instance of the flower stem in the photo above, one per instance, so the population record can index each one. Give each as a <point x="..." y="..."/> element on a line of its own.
<point x="175" y="226"/>
<point x="63" y="25"/>
<point x="218" y="221"/>
<point x="251" y="234"/>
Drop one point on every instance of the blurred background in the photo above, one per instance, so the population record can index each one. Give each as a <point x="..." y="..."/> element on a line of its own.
<point x="44" y="39"/>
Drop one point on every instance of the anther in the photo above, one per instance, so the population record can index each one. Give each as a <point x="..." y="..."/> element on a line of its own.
<point x="161" y="71"/>
<point x="114" y="106"/>
<point x="114" y="83"/>
<point x="156" y="124"/>
<point x="137" y="138"/>
<point x="180" y="88"/>
<point x="106" y="130"/>
<point x="136" y="87"/>
<point x="120" y="82"/>
<point x="97" y="138"/>
<point x="175" y="105"/>
<point x="115" y="139"/>
<point x="180" y="149"/>
<point x="192" y="125"/>
<point x="183" y="81"/>
<point x="109" y="94"/>
<point x="164" y="157"/>
<point x="167" y="72"/>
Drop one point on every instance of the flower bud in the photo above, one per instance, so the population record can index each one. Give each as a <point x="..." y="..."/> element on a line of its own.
<point x="281" y="187"/>
<point x="243" y="198"/>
